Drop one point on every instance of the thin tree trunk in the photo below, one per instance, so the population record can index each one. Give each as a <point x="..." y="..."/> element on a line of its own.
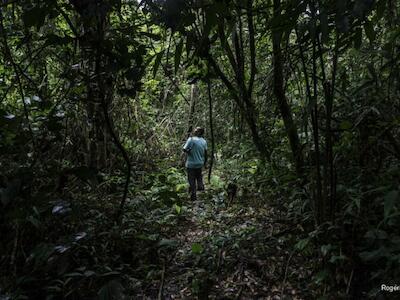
<point x="279" y="92"/>
<point x="245" y="107"/>
<point x="319" y="201"/>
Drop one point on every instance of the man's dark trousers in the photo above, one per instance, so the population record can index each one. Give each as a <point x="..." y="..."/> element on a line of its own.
<point x="195" y="176"/>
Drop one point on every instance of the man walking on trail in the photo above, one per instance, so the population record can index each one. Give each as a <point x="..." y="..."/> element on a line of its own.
<point x="196" y="150"/>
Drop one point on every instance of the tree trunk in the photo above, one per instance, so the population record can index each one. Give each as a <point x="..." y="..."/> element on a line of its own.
<point x="279" y="92"/>
<point x="93" y="19"/>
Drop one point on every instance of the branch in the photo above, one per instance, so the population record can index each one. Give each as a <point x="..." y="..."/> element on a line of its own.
<point x="171" y="79"/>
<point x="226" y="46"/>
<point x="225" y="80"/>
<point x="67" y="19"/>
<point x="253" y="68"/>
<point x="239" y="71"/>
<point x="124" y="155"/>
<point x="104" y="104"/>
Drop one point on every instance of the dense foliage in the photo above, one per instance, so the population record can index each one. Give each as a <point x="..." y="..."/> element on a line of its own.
<point x="300" y="101"/>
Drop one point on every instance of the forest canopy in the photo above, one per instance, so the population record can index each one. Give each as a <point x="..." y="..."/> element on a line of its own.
<point x="299" y="102"/>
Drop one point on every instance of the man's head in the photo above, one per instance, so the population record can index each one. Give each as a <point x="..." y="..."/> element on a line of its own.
<point x="199" y="131"/>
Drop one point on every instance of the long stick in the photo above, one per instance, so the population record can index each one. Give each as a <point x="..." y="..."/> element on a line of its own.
<point x="192" y="106"/>
<point x="286" y="271"/>
<point x="211" y="128"/>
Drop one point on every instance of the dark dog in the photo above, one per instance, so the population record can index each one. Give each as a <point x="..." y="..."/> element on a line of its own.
<point x="231" y="191"/>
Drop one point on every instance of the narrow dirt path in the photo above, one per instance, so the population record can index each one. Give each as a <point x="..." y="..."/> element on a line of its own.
<point x="236" y="252"/>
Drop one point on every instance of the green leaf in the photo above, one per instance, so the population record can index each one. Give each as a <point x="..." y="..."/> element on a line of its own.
<point x="157" y="62"/>
<point x="148" y="237"/>
<point x="390" y="200"/>
<point x="345" y="125"/>
<point x="197" y="248"/>
<point x="336" y="258"/>
<point x="151" y="35"/>
<point x="325" y="249"/>
<point x="321" y="276"/>
<point x="73" y="274"/>
<point x="177" y="208"/>
<point x="111" y="273"/>
<point x="178" y="55"/>
<point x="89" y="273"/>
<point x="302" y="244"/>
<point x="167" y="243"/>
<point x="181" y="187"/>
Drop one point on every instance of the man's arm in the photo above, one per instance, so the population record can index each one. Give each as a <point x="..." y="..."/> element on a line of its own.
<point x="187" y="147"/>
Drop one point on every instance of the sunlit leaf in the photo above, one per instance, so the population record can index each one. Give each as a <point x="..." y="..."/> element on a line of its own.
<point x="177" y="208"/>
<point x="197" y="248"/>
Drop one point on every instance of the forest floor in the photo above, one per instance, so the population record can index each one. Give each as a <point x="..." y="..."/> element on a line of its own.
<point x="236" y="251"/>
<point x="167" y="246"/>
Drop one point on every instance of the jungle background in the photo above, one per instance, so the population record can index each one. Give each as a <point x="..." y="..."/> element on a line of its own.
<point x="300" y="101"/>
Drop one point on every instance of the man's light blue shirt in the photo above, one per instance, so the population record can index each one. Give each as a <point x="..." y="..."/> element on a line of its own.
<point x="196" y="148"/>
